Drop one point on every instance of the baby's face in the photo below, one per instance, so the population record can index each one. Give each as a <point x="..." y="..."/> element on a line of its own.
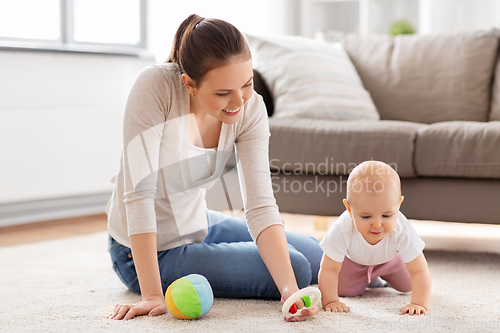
<point x="375" y="213"/>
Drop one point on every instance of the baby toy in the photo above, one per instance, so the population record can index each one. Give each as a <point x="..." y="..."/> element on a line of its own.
<point x="310" y="296"/>
<point x="189" y="297"/>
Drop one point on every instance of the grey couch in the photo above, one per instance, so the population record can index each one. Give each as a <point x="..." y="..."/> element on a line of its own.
<point x="439" y="102"/>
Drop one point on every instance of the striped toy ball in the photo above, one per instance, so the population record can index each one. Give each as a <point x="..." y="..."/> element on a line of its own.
<point x="189" y="297"/>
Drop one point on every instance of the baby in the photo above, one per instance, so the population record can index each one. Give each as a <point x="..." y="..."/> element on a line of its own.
<point x="373" y="239"/>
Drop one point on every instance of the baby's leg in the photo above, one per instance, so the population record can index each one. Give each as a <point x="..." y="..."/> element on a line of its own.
<point x="353" y="278"/>
<point x="394" y="272"/>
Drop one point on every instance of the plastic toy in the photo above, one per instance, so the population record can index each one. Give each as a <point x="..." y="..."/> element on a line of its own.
<point x="189" y="297"/>
<point x="310" y="296"/>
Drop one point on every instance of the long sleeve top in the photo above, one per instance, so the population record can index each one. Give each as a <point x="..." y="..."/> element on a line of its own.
<point x="154" y="190"/>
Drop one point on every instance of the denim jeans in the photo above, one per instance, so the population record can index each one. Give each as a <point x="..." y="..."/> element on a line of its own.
<point x="228" y="258"/>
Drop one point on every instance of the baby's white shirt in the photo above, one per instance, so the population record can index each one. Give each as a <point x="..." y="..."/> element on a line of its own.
<point x="343" y="239"/>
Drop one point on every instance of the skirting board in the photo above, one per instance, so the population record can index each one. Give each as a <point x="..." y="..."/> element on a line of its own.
<point x="52" y="208"/>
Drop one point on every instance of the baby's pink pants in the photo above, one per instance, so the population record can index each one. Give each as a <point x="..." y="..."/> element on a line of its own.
<point x="353" y="277"/>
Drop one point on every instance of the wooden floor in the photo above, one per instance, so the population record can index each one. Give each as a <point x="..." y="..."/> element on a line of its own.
<point x="34" y="232"/>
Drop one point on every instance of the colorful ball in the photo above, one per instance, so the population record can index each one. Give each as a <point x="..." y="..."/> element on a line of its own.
<point x="189" y="297"/>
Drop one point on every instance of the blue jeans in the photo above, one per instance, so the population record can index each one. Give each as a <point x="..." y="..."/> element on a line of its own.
<point x="228" y="258"/>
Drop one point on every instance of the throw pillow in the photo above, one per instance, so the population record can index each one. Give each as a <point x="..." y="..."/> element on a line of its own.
<point x="309" y="78"/>
<point x="425" y="78"/>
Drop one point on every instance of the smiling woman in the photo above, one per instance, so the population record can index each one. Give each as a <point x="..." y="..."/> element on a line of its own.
<point x="223" y="91"/>
<point x="218" y="80"/>
<point x="184" y="119"/>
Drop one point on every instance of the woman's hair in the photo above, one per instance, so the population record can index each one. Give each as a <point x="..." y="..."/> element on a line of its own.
<point x="202" y="44"/>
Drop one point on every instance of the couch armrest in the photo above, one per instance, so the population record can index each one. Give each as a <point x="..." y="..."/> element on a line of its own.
<point x="261" y="88"/>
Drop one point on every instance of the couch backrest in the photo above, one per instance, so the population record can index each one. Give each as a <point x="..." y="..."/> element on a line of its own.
<point x="425" y="78"/>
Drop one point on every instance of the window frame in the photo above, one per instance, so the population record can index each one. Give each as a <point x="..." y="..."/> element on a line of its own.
<point x="66" y="43"/>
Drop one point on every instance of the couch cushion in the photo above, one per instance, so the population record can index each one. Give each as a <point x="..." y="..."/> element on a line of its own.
<point x="425" y="79"/>
<point x="310" y="78"/>
<point x="336" y="147"/>
<point x="459" y="149"/>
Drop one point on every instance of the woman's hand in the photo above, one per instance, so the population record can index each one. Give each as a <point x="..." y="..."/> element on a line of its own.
<point x="146" y="264"/>
<point x="299" y="304"/>
<point x="273" y="249"/>
<point x="154" y="306"/>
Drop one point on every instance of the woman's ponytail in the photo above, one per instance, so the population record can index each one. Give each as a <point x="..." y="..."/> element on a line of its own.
<point x="203" y="44"/>
<point x="186" y="27"/>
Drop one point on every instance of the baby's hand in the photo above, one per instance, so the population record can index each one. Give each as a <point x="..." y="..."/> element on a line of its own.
<point x="413" y="309"/>
<point x="336" y="307"/>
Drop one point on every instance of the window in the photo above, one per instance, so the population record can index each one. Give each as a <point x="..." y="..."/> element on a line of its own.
<point x="116" y="21"/>
<point x="22" y="19"/>
<point x="100" y="26"/>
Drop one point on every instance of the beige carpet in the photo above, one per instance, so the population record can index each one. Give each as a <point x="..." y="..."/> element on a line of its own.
<point x="67" y="285"/>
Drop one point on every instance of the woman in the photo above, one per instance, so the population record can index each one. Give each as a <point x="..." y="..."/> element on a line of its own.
<point x="182" y="121"/>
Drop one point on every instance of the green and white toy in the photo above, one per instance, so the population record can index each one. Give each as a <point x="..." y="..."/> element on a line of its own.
<point x="310" y="296"/>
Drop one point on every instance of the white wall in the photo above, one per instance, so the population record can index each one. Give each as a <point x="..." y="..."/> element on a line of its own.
<point x="60" y="128"/>
<point x="376" y="16"/>
<point x="458" y="15"/>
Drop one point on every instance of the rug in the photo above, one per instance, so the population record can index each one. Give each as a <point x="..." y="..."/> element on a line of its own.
<point x="68" y="285"/>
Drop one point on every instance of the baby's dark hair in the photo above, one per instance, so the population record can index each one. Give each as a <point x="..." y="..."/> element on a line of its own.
<point x="202" y="44"/>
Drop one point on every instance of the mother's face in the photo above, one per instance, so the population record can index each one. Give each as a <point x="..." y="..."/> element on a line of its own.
<point x="224" y="90"/>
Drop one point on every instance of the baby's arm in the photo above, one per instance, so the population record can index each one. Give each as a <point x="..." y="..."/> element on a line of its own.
<point x="328" y="285"/>
<point x="420" y="286"/>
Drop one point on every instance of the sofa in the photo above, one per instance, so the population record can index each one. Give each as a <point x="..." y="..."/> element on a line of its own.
<point x="434" y="117"/>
